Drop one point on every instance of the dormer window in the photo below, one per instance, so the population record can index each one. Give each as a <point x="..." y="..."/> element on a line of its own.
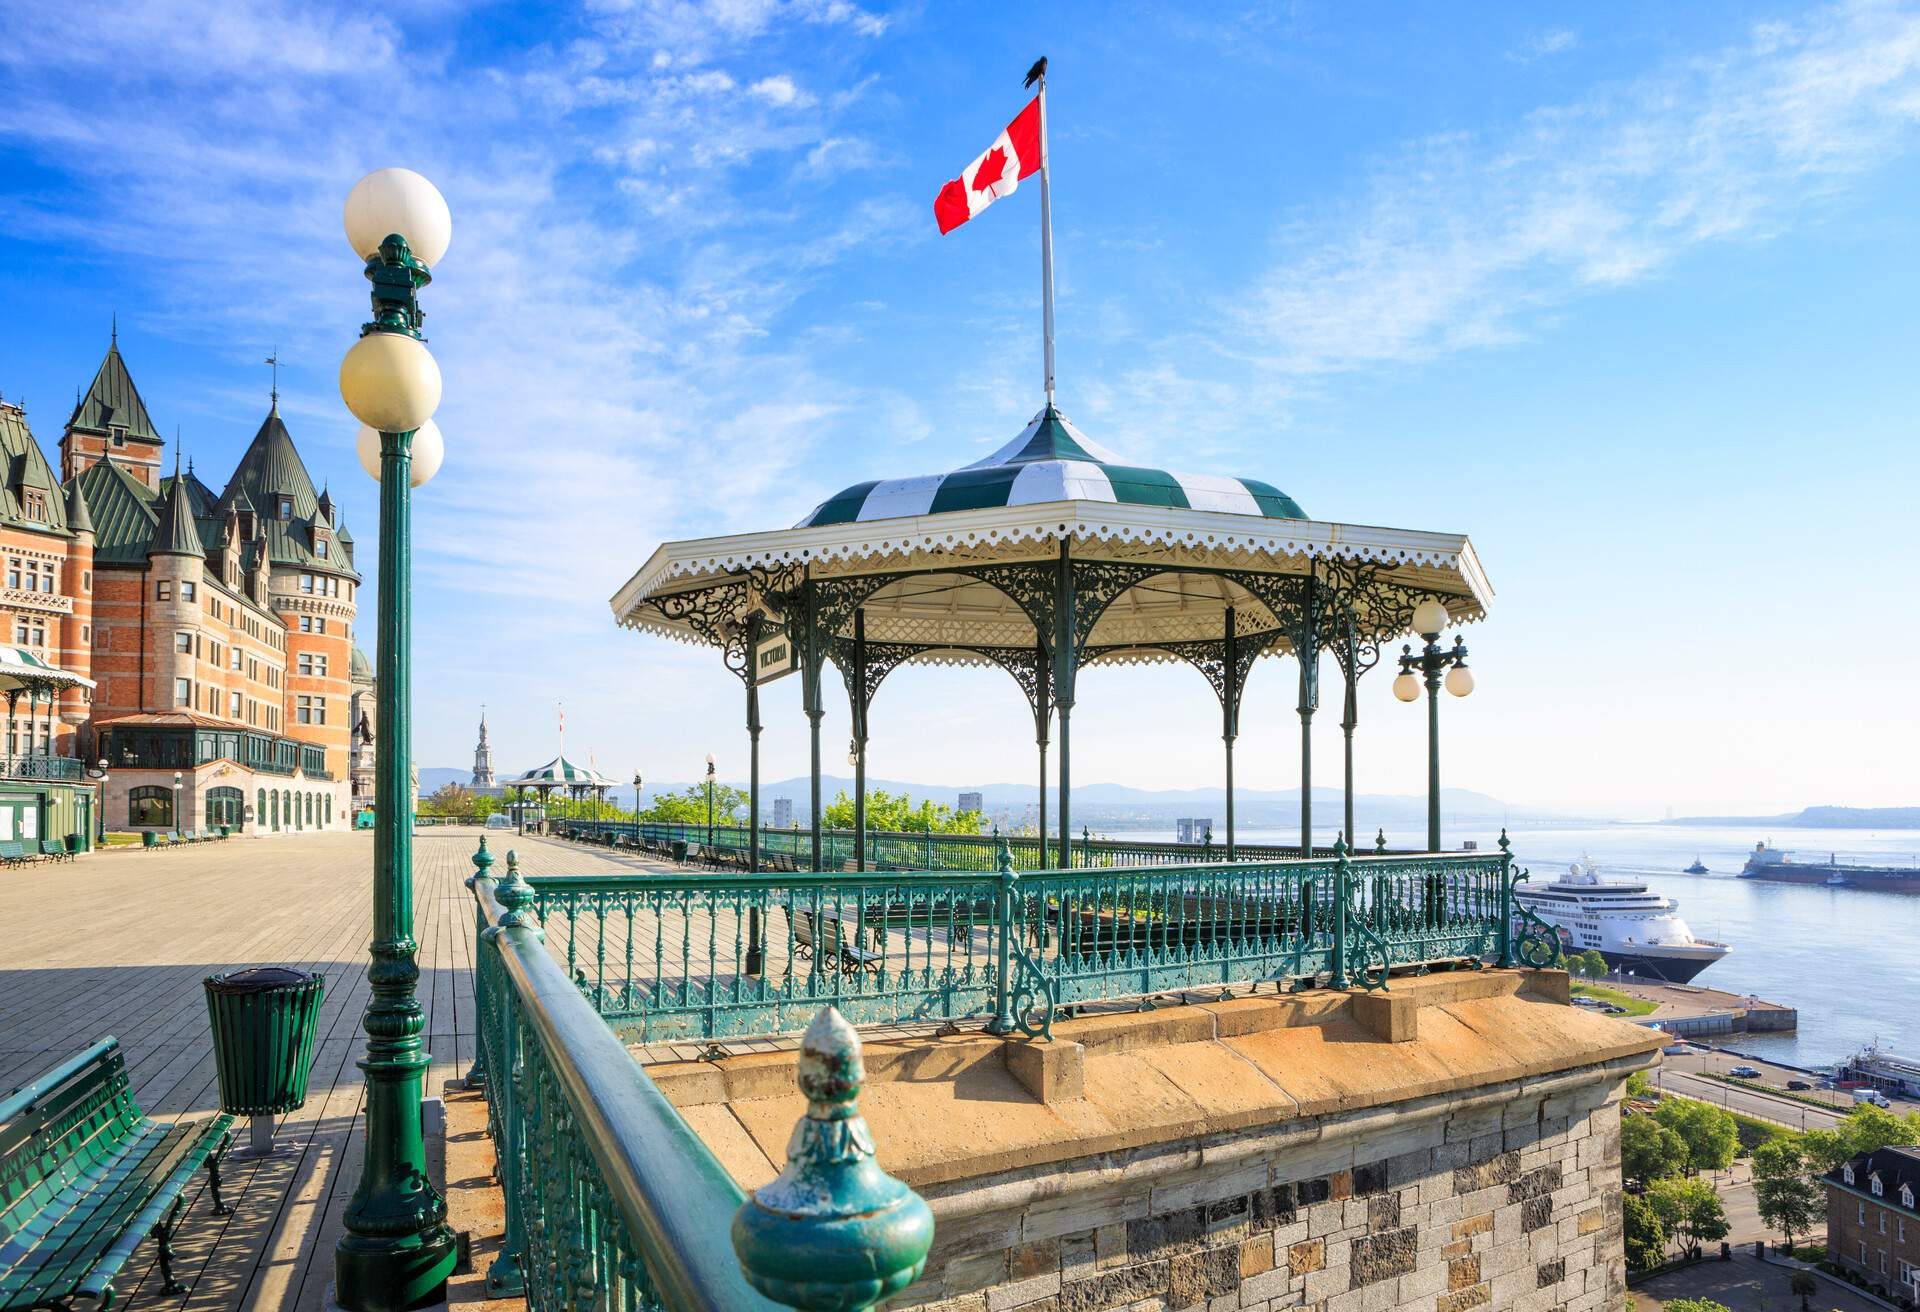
<point x="285" y="507"/>
<point x="320" y="548"/>
<point x="119" y="435"/>
<point x="1906" y="1195"/>
<point x="1846" y="1173"/>
<point x="1878" y="1189"/>
<point x="34" y="503"/>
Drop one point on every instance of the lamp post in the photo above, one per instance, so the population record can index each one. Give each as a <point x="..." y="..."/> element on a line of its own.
<point x="99" y="774"/>
<point x="1433" y="662"/>
<point x="176" y="801"/>
<point x="636" y="808"/>
<point x="397" y="1250"/>
<point x="709" y="800"/>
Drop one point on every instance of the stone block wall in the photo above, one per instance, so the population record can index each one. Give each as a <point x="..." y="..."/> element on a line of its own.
<point x="1506" y="1199"/>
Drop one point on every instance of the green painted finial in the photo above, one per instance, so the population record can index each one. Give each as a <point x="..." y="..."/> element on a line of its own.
<point x="1002" y="855"/>
<point x="516" y="895"/>
<point x="1504" y="844"/>
<point x="1380" y="841"/>
<point x="834" y="1233"/>
<point x="482" y="863"/>
<point x="1339" y="846"/>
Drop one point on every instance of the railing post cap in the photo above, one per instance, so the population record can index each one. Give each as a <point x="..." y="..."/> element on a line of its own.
<point x="1002" y="856"/>
<point x="833" y="1231"/>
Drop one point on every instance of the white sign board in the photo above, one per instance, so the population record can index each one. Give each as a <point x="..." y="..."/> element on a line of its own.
<point x="772" y="658"/>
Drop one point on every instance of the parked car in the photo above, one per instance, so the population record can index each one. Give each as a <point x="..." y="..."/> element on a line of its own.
<point x="1614" y="1009"/>
<point x="1799" y="1085"/>
<point x="1745" y="1072"/>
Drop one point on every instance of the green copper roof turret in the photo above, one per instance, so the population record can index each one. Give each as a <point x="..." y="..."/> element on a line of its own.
<point x="176" y="534"/>
<point x="114" y="402"/>
<point x="78" y="520"/>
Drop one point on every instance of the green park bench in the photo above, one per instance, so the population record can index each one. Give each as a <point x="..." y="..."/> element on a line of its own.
<point x="85" y="1175"/>
<point x="55" y="849"/>
<point x="14" y="853"/>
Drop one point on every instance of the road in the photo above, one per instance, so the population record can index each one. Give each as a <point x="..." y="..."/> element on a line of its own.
<point x="1748" y="1102"/>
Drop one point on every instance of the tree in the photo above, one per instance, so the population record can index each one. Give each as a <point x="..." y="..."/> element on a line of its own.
<point x="1650" y="1151"/>
<point x="1639" y="1086"/>
<point x="1710" y="1134"/>
<point x="1646" y="1236"/>
<point x="1803" y="1284"/>
<point x="1696" y="1305"/>
<point x="449" y="799"/>
<point x="1784" y="1189"/>
<point x="1587" y="965"/>
<point x="1868" y="1129"/>
<point x="689" y="805"/>
<point x="1690" y="1210"/>
<point x="890" y="814"/>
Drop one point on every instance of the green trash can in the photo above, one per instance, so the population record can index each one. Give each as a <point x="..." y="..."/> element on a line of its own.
<point x="265" y="1020"/>
<point x="148" y="838"/>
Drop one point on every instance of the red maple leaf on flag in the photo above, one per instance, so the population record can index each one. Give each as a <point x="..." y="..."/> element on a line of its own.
<point x="991" y="170"/>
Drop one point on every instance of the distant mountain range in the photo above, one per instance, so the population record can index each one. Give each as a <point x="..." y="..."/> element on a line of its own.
<point x="1820" y="817"/>
<point x="1109" y="805"/>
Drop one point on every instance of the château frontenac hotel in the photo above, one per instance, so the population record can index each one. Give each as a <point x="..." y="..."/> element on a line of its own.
<point x="174" y="656"/>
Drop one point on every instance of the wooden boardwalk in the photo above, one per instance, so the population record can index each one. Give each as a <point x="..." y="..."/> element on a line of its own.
<point x="118" y="943"/>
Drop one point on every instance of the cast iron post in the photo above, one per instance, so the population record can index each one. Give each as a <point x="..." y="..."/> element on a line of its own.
<point x="1342" y="872"/>
<point x="1065" y="656"/>
<point x="1002" y="1022"/>
<point x="1506" y="900"/>
<point x="397" y="1250"/>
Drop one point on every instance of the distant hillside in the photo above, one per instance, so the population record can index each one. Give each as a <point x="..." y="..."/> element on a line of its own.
<point x="1820" y="817"/>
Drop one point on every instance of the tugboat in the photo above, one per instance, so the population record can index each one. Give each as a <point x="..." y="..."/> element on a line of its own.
<point x="1698" y="867"/>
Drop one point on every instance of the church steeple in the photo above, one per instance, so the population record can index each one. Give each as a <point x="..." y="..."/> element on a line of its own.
<point x="482" y="756"/>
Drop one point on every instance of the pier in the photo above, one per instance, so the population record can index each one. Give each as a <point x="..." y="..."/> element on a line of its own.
<point x="1689" y="1012"/>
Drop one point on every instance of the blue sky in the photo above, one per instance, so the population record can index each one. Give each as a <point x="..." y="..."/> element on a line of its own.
<point x="1624" y="293"/>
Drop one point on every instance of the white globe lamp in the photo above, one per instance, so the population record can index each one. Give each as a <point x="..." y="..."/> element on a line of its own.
<point x="390" y="382"/>
<point x="429" y="450"/>
<point x="1459" y="681"/>
<point x="387" y="201"/>
<point x="1407" y="686"/>
<point x="1429" y="617"/>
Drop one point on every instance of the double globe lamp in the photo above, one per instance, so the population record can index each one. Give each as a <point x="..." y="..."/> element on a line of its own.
<point x="397" y="1250"/>
<point x="1427" y="666"/>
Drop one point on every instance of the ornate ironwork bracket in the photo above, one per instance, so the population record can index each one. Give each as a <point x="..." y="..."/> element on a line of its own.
<point x="1537" y="944"/>
<point x="1031" y="991"/>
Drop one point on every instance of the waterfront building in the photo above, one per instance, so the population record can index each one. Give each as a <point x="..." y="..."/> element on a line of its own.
<point x="1194" y="830"/>
<point x="206" y="637"/>
<point x="972" y="802"/>
<point x="1873" y="1226"/>
<point x="783" y="813"/>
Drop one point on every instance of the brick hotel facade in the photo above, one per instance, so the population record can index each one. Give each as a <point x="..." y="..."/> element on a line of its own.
<point x="217" y="627"/>
<point x="1873" y="1225"/>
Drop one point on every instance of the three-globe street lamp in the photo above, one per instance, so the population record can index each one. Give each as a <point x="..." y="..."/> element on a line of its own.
<point x="397" y="1250"/>
<point x="1432" y="662"/>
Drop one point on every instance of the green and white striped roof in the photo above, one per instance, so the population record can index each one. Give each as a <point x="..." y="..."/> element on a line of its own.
<point x="22" y="667"/>
<point x="1050" y="461"/>
<point x="560" y="773"/>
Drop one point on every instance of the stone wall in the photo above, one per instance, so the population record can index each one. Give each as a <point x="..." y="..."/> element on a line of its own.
<point x="1507" y="1199"/>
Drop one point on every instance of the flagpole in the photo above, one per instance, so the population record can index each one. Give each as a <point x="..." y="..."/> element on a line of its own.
<point x="1046" y="236"/>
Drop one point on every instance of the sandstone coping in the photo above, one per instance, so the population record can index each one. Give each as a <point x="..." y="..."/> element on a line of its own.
<point x="1254" y="1069"/>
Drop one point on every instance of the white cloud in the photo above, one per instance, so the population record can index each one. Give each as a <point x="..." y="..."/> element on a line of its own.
<point x="1543" y="44"/>
<point x="780" y="90"/>
<point x="1462" y="239"/>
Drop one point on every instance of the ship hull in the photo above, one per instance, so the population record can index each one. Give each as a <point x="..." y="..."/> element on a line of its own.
<point x="1837" y="877"/>
<point x="1671" y="970"/>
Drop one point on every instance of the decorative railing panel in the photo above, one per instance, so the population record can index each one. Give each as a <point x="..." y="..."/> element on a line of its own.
<point x="688" y="955"/>
<point x="45" y="767"/>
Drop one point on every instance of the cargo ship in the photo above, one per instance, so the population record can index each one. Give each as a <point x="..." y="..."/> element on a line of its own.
<point x="1790" y="868"/>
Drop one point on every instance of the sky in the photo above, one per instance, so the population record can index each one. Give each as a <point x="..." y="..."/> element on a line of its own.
<point x="1625" y="293"/>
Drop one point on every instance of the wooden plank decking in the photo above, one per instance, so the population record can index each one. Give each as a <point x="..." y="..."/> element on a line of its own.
<point x="118" y="943"/>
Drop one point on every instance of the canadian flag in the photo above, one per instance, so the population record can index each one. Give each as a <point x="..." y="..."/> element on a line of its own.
<point x="1014" y="155"/>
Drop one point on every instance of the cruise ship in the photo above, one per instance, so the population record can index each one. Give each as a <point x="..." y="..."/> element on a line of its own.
<point x="1629" y="924"/>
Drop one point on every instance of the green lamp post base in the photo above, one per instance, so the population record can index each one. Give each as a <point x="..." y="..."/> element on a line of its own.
<point x="393" y="1275"/>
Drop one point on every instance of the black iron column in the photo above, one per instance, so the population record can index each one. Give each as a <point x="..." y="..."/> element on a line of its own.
<point x="859" y="709"/>
<point x="1349" y="719"/>
<point x="1306" y="647"/>
<point x="754" y="951"/>
<point x="1230" y="716"/>
<point x="812" y="649"/>
<point x="1065" y="654"/>
<point x="1042" y="713"/>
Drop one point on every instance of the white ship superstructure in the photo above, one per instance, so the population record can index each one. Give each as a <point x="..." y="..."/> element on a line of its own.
<point x="1633" y="927"/>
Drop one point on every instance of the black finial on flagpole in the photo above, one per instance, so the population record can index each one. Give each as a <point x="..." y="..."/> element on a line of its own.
<point x="1038" y="71"/>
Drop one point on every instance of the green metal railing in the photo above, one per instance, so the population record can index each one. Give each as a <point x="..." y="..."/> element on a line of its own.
<point x="45" y="767"/>
<point x="612" y="1201"/>
<point x="888" y="850"/>
<point x="689" y="955"/>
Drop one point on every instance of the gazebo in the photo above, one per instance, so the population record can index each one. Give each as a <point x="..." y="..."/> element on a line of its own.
<point x="25" y="672"/>
<point x="1051" y="555"/>
<point x="562" y="775"/>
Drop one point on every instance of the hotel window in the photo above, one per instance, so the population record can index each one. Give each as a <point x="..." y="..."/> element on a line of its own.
<point x="86" y="633"/>
<point x="183" y="643"/>
<point x="163" y="591"/>
<point x="306" y="583"/>
<point x="234" y="657"/>
<point x="286" y="508"/>
<point x="30" y="632"/>
<point x="13" y="571"/>
<point x="183" y="693"/>
<point x="1862" y="1218"/>
<point x="310" y="710"/>
<point x="34" y="502"/>
<point x="233" y="705"/>
<point x="313" y="663"/>
<point x="86" y="580"/>
<point x="1878" y="1188"/>
<point x="320" y="548"/>
<point x="119" y="435"/>
<point x="187" y="591"/>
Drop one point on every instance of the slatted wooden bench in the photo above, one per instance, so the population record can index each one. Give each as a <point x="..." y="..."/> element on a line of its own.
<point x="830" y="942"/>
<point x="13" y="853"/>
<point x="85" y="1176"/>
<point x="54" y="848"/>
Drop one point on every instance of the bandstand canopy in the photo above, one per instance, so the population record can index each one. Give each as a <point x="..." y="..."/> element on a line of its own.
<point x="21" y="668"/>
<point x="1191" y="547"/>
<point x="560" y="773"/>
